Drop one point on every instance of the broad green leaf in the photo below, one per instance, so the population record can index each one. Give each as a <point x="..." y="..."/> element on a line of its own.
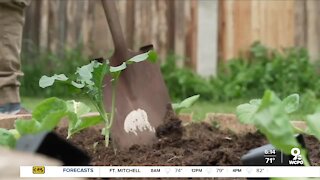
<point x="60" y="77"/>
<point x="78" y="108"/>
<point x="291" y="103"/>
<point x="246" y="111"/>
<point x="99" y="74"/>
<point x="25" y="127"/>
<point x="45" y="117"/>
<point x="272" y="120"/>
<point x="7" y="139"/>
<point x="15" y="133"/>
<point x="49" y="106"/>
<point x="275" y="125"/>
<point x="95" y="94"/>
<point x="83" y="123"/>
<point x="76" y="122"/>
<point x="116" y="71"/>
<point x="78" y="85"/>
<point x="189" y="101"/>
<point x="52" y="120"/>
<point x="121" y="67"/>
<point x="150" y="55"/>
<point x="313" y="122"/>
<point x="270" y="116"/>
<point x="186" y="103"/>
<point x="46" y="81"/>
<point x="269" y="98"/>
<point x="49" y="113"/>
<point x="175" y="106"/>
<point x="138" y="58"/>
<point x="85" y="72"/>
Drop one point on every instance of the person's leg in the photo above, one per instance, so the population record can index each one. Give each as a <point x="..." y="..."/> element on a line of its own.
<point x="11" y="26"/>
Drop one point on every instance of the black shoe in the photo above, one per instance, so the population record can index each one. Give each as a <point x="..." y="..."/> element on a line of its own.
<point x="13" y="108"/>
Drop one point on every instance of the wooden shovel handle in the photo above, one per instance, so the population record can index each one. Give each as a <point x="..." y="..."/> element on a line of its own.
<point x="111" y="12"/>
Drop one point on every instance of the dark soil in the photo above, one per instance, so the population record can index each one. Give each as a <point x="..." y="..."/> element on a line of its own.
<point x="180" y="144"/>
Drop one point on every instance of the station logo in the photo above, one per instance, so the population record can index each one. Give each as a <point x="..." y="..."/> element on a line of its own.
<point x="296" y="160"/>
<point x="38" y="170"/>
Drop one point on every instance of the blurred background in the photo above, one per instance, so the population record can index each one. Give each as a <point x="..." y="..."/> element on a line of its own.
<point x="227" y="51"/>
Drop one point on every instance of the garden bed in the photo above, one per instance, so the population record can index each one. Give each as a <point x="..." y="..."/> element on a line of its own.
<point x="183" y="143"/>
<point x="219" y="140"/>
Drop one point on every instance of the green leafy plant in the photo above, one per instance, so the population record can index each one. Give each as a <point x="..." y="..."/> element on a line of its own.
<point x="46" y="116"/>
<point x="183" y="82"/>
<point x="36" y="62"/>
<point x="7" y="139"/>
<point x="88" y="79"/>
<point x="285" y="71"/>
<point x="188" y="102"/>
<point x="243" y="77"/>
<point x="271" y="116"/>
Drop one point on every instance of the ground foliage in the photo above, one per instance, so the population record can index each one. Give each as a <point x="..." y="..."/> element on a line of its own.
<point x="39" y="62"/>
<point x="286" y="72"/>
<point x="248" y="76"/>
<point x="244" y="77"/>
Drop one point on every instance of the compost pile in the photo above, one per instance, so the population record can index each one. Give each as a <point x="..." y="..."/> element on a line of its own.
<point x="180" y="144"/>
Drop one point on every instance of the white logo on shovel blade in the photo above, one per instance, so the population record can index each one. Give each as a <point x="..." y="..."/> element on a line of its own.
<point x="137" y="120"/>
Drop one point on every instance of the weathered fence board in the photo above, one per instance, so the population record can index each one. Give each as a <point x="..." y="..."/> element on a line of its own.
<point x="207" y="38"/>
<point x="59" y="24"/>
<point x="244" y="21"/>
<point x="307" y="26"/>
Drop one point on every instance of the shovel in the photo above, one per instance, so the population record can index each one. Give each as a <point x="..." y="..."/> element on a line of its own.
<point x="141" y="95"/>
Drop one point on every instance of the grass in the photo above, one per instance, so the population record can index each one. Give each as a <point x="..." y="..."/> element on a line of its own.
<point x="199" y="109"/>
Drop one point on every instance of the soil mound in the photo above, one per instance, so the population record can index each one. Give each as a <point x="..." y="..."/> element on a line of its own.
<point x="180" y="144"/>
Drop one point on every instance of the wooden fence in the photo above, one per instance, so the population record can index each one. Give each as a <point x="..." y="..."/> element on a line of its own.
<point x="307" y="26"/>
<point x="55" y="24"/>
<point x="201" y="31"/>
<point x="243" y="22"/>
<point x="275" y="23"/>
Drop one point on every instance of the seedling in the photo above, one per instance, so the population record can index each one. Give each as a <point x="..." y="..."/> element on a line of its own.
<point x="186" y="103"/>
<point x="272" y="117"/>
<point x="89" y="80"/>
<point x="46" y="116"/>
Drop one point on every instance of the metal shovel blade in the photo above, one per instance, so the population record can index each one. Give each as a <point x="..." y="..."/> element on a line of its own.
<point x="141" y="94"/>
